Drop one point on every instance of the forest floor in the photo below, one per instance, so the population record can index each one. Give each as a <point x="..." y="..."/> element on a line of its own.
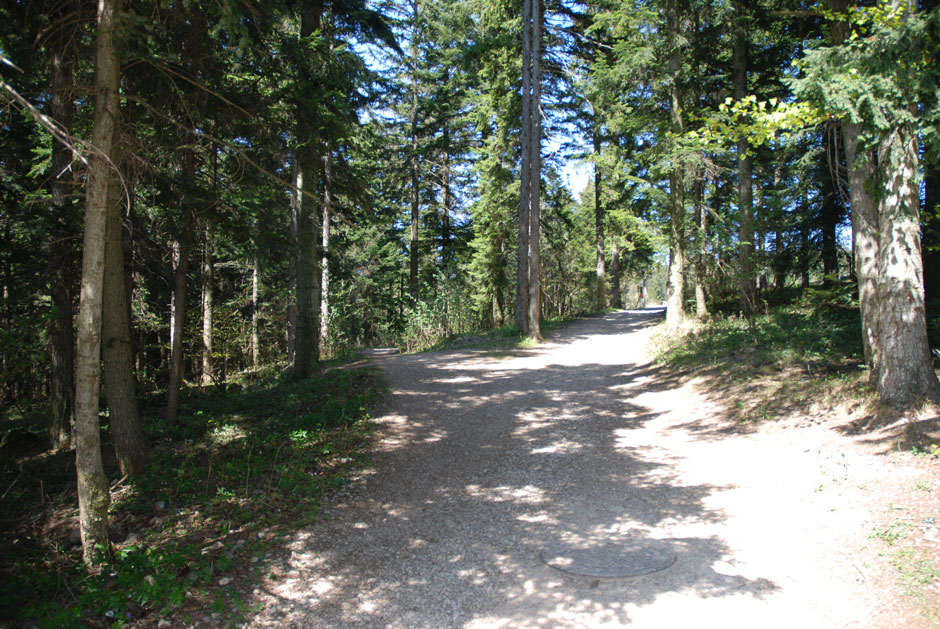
<point x="484" y="459"/>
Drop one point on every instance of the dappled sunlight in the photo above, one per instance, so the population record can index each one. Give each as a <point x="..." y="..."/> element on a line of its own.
<point x="481" y="464"/>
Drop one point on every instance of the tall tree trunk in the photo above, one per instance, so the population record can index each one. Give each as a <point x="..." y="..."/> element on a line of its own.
<point x="208" y="306"/>
<point x="446" y="254"/>
<point x="803" y="256"/>
<point x="701" y="225"/>
<point x="525" y="192"/>
<point x="905" y="371"/>
<point x="183" y="245"/>
<point x="529" y="281"/>
<point x="61" y="261"/>
<point x="866" y="237"/>
<point x="675" y="284"/>
<point x="746" y="280"/>
<point x="295" y="201"/>
<point x="255" y="312"/>
<point x="414" y="248"/>
<point x="306" y="352"/>
<point x="181" y="249"/>
<point x="325" y="252"/>
<point x="93" y="495"/>
<point x="600" y="271"/>
<point x="306" y="349"/>
<point x="130" y="444"/>
<point x="829" y="216"/>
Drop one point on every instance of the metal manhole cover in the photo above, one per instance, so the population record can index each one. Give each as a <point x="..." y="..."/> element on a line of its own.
<point x="610" y="560"/>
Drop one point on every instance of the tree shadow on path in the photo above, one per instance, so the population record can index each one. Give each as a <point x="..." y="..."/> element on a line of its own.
<point x="482" y="462"/>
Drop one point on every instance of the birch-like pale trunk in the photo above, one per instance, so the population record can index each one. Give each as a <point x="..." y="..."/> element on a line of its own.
<point x="208" y="307"/>
<point x="327" y="212"/>
<point x="255" y="312"/>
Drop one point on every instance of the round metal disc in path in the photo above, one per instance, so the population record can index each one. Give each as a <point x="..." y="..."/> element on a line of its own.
<point x="610" y="560"/>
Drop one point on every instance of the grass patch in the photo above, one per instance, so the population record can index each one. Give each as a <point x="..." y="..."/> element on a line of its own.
<point x="239" y="469"/>
<point x="796" y="357"/>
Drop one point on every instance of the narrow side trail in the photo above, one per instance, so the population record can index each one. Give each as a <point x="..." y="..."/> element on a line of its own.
<point x="484" y="459"/>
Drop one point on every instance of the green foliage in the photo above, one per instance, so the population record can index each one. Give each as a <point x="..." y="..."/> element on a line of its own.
<point x="819" y="331"/>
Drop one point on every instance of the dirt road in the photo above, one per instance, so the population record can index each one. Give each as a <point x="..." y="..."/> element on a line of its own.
<point x="484" y="460"/>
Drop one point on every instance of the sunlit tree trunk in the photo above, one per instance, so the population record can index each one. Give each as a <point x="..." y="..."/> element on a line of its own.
<point x="904" y="371"/>
<point x="325" y="251"/>
<point x="865" y="235"/>
<point x="93" y="494"/>
<point x="255" y="312"/>
<point x="746" y="281"/>
<point x="208" y="307"/>
<point x="600" y="270"/>
<point x="701" y="304"/>
<point x="528" y="314"/>
<point x="675" y="283"/>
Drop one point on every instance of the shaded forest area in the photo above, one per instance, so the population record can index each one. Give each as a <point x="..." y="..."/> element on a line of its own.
<point x="200" y="195"/>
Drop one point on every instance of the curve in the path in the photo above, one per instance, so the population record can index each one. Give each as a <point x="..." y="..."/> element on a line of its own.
<point x="483" y="460"/>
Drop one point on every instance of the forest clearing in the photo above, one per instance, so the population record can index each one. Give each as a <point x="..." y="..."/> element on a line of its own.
<point x="209" y="211"/>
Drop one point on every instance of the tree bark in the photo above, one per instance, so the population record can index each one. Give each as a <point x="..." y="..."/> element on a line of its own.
<point x="535" y="172"/>
<point x="208" y="307"/>
<point x="525" y="181"/>
<point x="746" y="280"/>
<point x="93" y="495"/>
<point x="306" y="352"/>
<point x="600" y="271"/>
<point x="866" y="241"/>
<point x="255" y="312"/>
<point x="325" y="251"/>
<point x="905" y="372"/>
<point x="181" y="249"/>
<point x="701" y="303"/>
<point x="130" y="444"/>
<point x="306" y="349"/>
<point x="413" y="251"/>
<point x="675" y="285"/>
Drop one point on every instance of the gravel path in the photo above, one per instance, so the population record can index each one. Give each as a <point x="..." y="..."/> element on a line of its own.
<point x="484" y="460"/>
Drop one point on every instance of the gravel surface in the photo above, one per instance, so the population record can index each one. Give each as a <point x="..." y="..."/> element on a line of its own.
<point x="484" y="460"/>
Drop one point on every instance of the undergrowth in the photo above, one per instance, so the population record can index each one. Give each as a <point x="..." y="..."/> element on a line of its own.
<point x="238" y="469"/>
<point x="795" y="356"/>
